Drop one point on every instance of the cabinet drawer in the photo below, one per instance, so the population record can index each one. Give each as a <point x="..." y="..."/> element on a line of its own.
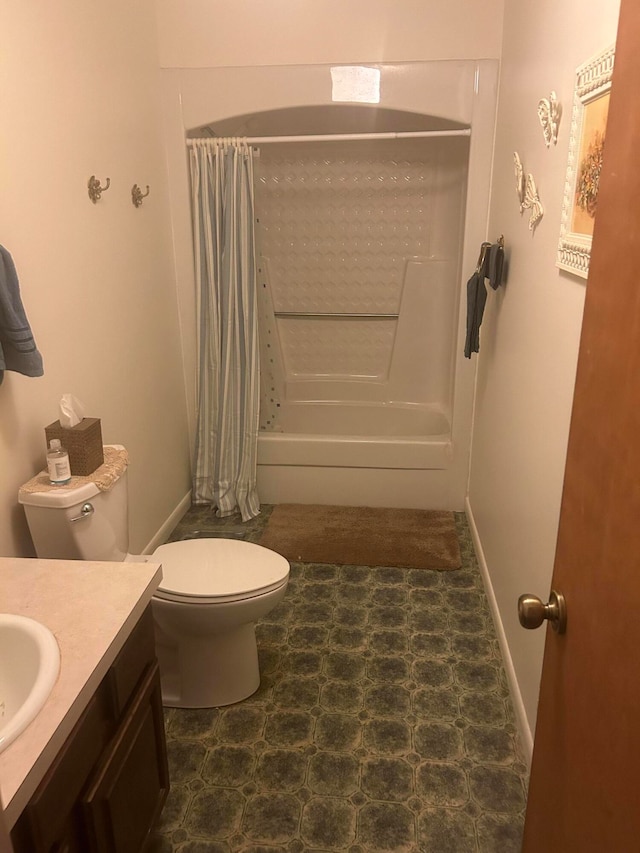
<point x="130" y="665"/>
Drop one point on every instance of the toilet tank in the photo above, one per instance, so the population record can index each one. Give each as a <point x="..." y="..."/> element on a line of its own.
<point x="101" y="534"/>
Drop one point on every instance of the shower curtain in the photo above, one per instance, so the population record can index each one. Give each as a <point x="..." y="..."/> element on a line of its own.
<point x="228" y="368"/>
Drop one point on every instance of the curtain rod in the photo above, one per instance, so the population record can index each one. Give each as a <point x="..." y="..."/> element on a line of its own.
<point x="341" y="137"/>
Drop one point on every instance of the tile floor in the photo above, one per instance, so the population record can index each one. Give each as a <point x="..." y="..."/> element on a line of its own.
<point x="383" y="722"/>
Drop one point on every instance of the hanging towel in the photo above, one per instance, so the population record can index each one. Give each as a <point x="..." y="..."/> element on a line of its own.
<point x="476" y="299"/>
<point x="494" y="263"/>
<point x="17" y="347"/>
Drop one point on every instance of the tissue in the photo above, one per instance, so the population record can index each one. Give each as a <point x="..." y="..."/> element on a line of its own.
<point x="80" y="436"/>
<point x="71" y="411"/>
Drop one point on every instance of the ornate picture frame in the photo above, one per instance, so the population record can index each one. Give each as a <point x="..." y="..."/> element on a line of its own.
<point x="588" y="125"/>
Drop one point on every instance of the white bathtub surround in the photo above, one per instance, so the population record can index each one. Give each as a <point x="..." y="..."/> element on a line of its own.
<point x="383" y="227"/>
<point x="227" y="329"/>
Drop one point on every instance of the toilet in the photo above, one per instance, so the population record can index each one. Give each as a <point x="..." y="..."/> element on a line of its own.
<point x="211" y="594"/>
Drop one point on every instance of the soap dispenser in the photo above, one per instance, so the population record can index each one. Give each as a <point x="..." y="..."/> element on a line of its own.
<point x="58" y="463"/>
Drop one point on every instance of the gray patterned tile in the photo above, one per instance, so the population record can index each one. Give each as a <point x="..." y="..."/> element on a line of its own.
<point x="387" y="827"/>
<point x="382" y="722"/>
<point x="440" y="784"/>
<point x="281" y="770"/>
<point x="229" y="766"/>
<point x="495" y="832"/>
<point x="338" y="732"/>
<point x="483" y="708"/>
<point x="328" y="823"/>
<point x="387" y="700"/>
<point x="306" y="636"/>
<point x="497" y="789"/>
<point x="354" y="639"/>
<point x="388" y="779"/>
<point x="388" y="642"/>
<point x="288" y="728"/>
<point x="342" y="666"/>
<point x="489" y="745"/>
<point x="393" y="669"/>
<point x="272" y="818"/>
<point x="446" y="831"/>
<point x="430" y="704"/>
<point x="342" y="696"/>
<point x="429" y="645"/>
<point x="294" y="692"/>
<point x="438" y="741"/>
<point x="215" y="813"/>
<point x="241" y="724"/>
<point x="333" y="774"/>
<point x="387" y="737"/>
<point x="185" y="759"/>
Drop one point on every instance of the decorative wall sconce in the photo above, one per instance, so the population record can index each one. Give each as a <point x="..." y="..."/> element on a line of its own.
<point x="527" y="193"/>
<point x="532" y="202"/>
<point x="95" y="190"/>
<point x="519" y="173"/>
<point x="549" y="112"/>
<point x="137" y="195"/>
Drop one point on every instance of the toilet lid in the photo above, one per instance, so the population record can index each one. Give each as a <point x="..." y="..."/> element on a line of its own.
<point x="219" y="570"/>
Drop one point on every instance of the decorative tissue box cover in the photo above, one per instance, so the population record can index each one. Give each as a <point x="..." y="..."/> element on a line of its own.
<point x="83" y="443"/>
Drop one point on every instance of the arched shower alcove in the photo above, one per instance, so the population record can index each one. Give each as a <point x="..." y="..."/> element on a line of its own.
<point x="366" y="218"/>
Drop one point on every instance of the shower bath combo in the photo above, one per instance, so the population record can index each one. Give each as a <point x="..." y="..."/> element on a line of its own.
<point x="367" y="219"/>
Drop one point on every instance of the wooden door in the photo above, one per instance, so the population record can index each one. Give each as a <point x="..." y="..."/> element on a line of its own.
<point x="585" y="779"/>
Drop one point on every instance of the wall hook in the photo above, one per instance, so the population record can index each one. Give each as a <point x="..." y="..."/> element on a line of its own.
<point x="95" y="190"/>
<point x="137" y="195"/>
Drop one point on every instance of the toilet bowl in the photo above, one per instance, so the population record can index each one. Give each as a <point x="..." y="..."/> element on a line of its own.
<point x="211" y="594"/>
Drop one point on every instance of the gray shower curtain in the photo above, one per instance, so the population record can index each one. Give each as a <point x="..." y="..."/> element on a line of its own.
<point x="227" y="329"/>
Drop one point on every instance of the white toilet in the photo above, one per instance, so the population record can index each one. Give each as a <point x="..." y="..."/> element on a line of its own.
<point x="205" y="609"/>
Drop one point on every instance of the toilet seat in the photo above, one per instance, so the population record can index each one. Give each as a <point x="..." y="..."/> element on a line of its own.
<point x="216" y="571"/>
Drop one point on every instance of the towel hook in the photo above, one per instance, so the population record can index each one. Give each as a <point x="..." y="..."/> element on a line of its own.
<point x="137" y="195"/>
<point x="95" y="190"/>
<point x="483" y="255"/>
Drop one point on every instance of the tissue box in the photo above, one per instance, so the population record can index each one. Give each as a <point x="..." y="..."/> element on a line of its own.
<point x="83" y="443"/>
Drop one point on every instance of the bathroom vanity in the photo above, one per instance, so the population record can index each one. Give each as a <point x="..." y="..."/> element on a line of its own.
<point x="90" y="772"/>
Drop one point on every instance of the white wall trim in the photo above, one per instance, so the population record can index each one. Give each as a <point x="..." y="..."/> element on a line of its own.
<point x="524" y="730"/>
<point x="165" y="530"/>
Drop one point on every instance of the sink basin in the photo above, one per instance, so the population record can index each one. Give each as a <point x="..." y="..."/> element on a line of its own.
<point x="29" y="666"/>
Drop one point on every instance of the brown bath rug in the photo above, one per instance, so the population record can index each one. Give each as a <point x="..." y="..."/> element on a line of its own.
<point x="363" y="536"/>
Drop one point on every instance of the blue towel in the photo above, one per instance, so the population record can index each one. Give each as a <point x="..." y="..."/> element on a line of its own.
<point x="17" y="347"/>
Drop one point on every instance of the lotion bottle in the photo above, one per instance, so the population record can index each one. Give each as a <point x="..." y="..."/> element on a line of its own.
<point x="58" y="463"/>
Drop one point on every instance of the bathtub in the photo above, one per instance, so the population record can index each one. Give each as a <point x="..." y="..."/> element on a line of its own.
<point x="359" y="454"/>
<point x="357" y="435"/>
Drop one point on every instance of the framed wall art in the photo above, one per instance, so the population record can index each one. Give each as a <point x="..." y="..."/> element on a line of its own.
<point x="586" y="144"/>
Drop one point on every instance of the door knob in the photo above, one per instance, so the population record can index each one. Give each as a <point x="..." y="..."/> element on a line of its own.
<point x="532" y="611"/>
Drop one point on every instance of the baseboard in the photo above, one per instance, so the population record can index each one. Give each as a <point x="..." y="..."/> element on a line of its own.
<point x="524" y="730"/>
<point x="164" y="532"/>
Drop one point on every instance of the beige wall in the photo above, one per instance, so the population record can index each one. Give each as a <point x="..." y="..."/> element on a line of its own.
<point x="531" y="331"/>
<point x="79" y="86"/>
<point x="201" y="33"/>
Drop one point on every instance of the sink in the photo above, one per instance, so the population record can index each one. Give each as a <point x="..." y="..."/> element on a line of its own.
<point x="29" y="666"/>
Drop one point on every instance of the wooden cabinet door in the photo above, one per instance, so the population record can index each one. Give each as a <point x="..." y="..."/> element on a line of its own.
<point x="51" y="821"/>
<point x="129" y="788"/>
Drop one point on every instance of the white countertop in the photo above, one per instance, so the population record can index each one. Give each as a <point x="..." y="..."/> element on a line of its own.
<point x="91" y="609"/>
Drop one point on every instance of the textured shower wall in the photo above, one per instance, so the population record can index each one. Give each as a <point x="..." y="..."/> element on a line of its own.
<point x="337" y="225"/>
